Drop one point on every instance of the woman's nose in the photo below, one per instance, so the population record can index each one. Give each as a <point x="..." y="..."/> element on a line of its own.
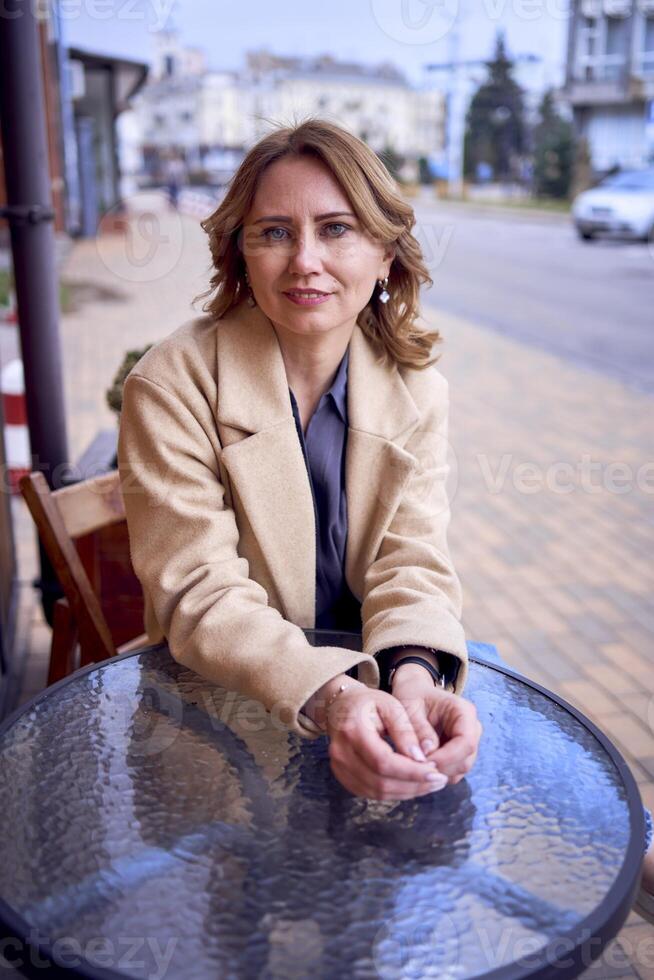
<point x="305" y="256"/>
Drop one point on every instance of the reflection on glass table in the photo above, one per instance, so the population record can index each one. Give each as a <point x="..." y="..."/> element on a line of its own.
<point x="166" y="827"/>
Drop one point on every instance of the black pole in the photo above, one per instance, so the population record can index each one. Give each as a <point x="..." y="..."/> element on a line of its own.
<point x="30" y="215"/>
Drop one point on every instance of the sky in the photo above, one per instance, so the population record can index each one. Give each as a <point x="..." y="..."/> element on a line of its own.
<point x="409" y="33"/>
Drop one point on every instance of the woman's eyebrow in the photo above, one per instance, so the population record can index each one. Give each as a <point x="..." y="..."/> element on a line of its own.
<point x="317" y="217"/>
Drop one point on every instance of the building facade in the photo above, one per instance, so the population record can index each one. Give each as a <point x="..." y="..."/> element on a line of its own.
<point x="206" y="114"/>
<point x="610" y="79"/>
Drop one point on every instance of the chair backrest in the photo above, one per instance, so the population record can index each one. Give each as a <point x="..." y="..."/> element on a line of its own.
<point x="71" y="521"/>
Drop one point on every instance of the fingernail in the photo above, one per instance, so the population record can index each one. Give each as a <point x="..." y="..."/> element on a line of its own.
<point x="428" y="744"/>
<point x="437" y="778"/>
<point x="417" y="754"/>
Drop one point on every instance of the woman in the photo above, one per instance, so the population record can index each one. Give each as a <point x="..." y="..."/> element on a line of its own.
<point x="283" y="464"/>
<point x="303" y="414"/>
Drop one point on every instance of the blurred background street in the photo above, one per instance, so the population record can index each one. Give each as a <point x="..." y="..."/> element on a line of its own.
<point x="533" y="280"/>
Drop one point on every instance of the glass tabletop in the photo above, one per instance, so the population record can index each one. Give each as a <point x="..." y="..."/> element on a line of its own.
<point x="155" y="825"/>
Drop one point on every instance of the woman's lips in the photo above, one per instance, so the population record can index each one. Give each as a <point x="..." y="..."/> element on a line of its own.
<point x="309" y="298"/>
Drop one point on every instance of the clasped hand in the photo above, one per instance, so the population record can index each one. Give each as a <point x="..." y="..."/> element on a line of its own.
<point x="435" y="733"/>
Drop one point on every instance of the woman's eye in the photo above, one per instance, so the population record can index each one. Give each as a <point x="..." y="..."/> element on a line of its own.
<point x="340" y="229"/>
<point x="269" y="233"/>
<point x="278" y="234"/>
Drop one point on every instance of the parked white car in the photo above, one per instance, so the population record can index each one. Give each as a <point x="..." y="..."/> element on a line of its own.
<point x="621" y="204"/>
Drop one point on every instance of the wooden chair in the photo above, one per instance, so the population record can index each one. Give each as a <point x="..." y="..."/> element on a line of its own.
<point x="84" y="532"/>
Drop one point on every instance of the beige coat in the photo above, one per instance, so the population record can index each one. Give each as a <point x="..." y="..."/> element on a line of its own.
<point x="221" y="519"/>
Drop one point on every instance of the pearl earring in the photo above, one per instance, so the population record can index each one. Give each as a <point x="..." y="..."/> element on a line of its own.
<point x="384" y="296"/>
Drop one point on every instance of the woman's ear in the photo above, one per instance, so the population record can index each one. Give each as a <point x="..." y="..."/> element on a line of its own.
<point x="389" y="255"/>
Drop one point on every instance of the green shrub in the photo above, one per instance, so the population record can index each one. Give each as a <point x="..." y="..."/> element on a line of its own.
<point x="115" y="393"/>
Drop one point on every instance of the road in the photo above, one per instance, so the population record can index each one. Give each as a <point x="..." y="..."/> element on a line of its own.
<point x="532" y="279"/>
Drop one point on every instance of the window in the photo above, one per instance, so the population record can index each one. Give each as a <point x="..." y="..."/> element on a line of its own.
<point x="648" y="40"/>
<point x="631" y="180"/>
<point x="589" y="46"/>
<point x="616" y="36"/>
<point x="603" y="49"/>
<point x="645" y="58"/>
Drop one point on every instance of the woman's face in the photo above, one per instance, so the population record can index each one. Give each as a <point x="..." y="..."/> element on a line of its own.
<point x="302" y="235"/>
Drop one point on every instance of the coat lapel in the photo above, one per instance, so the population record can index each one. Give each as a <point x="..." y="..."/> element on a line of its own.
<point x="267" y="469"/>
<point x="381" y="417"/>
<point x="266" y="466"/>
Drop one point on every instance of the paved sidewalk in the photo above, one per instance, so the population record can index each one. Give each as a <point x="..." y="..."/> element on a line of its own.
<point x="552" y="491"/>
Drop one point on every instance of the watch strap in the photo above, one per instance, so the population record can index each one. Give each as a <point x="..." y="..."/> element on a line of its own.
<point x="437" y="676"/>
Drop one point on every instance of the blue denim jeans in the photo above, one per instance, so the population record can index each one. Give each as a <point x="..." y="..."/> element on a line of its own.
<point x="487" y="651"/>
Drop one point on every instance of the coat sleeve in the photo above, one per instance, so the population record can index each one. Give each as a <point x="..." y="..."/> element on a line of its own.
<point x="184" y="548"/>
<point x="412" y="594"/>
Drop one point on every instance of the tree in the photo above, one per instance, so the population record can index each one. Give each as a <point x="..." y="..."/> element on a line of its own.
<point x="392" y="161"/>
<point x="582" y="168"/>
<point x="424" y="171"/>
<point x="553" y="151"/>
<point x="495" y="128"/>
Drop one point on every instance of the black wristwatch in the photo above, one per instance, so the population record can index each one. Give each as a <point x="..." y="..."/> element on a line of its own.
<point x="437" y="675"/>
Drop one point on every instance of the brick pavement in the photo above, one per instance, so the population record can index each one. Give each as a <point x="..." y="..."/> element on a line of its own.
<point x="552" y="487"/>
<point x="552" y="533"/>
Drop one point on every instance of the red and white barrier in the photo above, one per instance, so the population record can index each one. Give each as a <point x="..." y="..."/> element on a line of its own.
<point x="17" y="440"/>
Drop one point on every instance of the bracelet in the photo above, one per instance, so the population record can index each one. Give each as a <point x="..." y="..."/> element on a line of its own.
<point x="342" y="687"/>
<point x="437" y="676"/>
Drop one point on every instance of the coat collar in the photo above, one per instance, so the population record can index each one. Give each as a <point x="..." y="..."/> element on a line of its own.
<point x="253" y="388"/>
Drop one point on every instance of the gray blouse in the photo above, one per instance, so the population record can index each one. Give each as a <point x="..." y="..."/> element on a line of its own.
<point x="323" y="448"/>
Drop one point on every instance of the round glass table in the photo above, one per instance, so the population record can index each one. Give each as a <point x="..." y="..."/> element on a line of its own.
<point x="155" y="825"/>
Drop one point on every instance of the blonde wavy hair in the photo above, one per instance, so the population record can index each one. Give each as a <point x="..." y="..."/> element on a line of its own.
<point x="384" y="214"/>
